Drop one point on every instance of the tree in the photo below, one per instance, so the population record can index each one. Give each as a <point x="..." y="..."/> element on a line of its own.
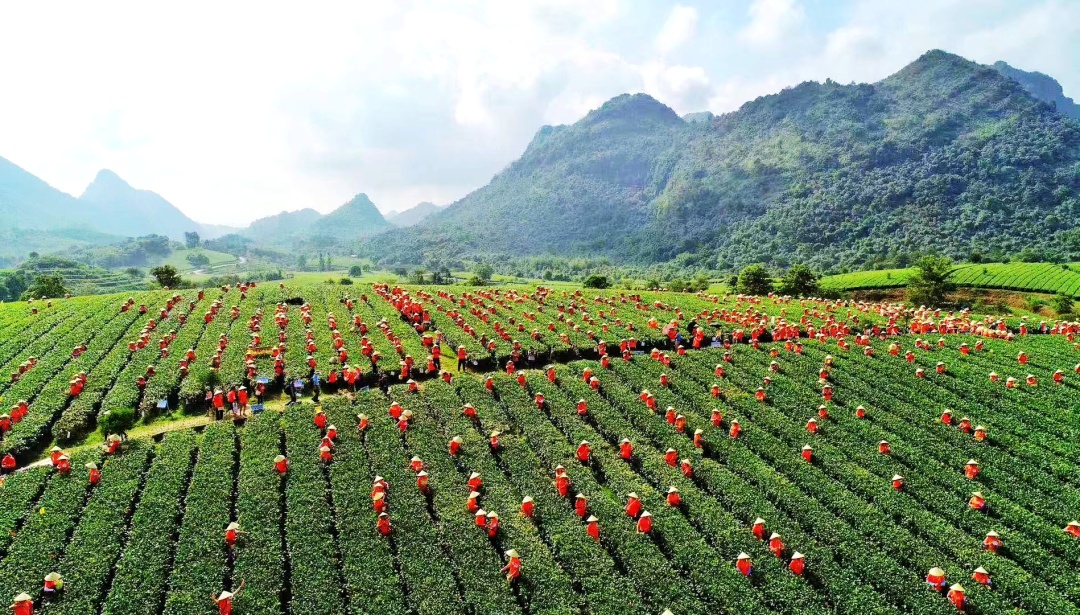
<point x="301" y="262"/>
<point x="46" y="286"/>
<point x="484" y="272"/>
<point x="754" y="280"/>
<point x="167" y="276"/>
<point x="191" y="240"/>
<point x="799" y="281"/>
<point x="322" y="262"/>
<point x="418" y="276"/>
<point x="356" y="271"/>
<point x="329" y="263"/>
<point x="1063" y="304"/>
<point x="198" y="259"/>
<point x="930" y="283"/>
<point x="596" y="281"/>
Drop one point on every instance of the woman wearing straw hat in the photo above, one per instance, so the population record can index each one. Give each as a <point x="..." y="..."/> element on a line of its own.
<point x="95" y="473"/>
<point x="53" y="584"/>
<point x="512" y="569"/>
<point x="232" y="532"/>
<point x="957" y="596"/>
<point x="23" y="604"/>
<point x="225" y="598"/>
<point x="936" y="579"/>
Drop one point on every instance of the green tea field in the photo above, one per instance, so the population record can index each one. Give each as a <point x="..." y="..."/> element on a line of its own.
<point x="590" y="452"/>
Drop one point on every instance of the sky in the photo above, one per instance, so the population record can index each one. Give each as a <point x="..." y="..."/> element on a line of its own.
<point x="237" y="110"/>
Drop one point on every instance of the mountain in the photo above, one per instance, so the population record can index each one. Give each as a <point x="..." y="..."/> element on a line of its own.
<point x="284" y="224"/>
<point x="1043" y="87"/>
<point x="357" y="218"/>
<point x="306" y="227"/>
<point x="29" y="203"/>
<point x="945" y="155"/>
<point x="413" y="215"/>
<point x="123" y="210"/>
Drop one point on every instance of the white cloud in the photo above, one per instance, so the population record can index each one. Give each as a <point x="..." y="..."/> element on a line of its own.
<point x="772" y="22"/>
<point x="680" y="27"/>
<point x="236" y="110"/>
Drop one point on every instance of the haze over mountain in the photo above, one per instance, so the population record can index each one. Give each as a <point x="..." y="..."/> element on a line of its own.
<point x="413" y="215"/>
<point x="356" y="218"/>
<point x="122" y="210"/>
<point x="944" y="155"/>
<point x="1041" y="86"/>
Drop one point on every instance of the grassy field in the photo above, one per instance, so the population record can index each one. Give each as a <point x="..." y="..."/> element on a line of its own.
<point x="179" y="260"/>
<point x="1026" y="277"/>
<point x="150" y="538"/>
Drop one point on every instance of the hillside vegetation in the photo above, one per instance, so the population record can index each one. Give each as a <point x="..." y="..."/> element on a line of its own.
<point x="945" y="155"/>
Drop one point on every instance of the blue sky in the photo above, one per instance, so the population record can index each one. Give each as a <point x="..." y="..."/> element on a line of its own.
<point x="238" y="110"/>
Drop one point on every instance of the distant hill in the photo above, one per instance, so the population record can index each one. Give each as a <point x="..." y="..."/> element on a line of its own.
<point x="282" y="225"/>
<point x="123" y="210"/>
<point x="413" y="215"/>
<point x="945" y="155"/>
<point x="1041" y="86"/>
<point x="357" y="218"/>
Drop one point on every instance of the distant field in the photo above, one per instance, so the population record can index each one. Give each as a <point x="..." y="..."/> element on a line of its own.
<point x="1026" y="277"/>
<point x="867" y="280"/>
<point x="179" y="260"/>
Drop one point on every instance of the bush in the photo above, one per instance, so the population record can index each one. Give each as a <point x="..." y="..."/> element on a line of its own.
<point x="754" y="280"/>
<point x="596" y="281"/>
<point x="356" y="271"/>
<point x="118" y="420"/>
<point x="1063" y="304"/>
<point x="929" y="284"/>
<point x="345" y="281"/>
<point x="799" y="281"/>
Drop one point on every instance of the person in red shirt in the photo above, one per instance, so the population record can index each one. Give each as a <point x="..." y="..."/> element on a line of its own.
<point x="281" y="464"/>
<point x="8" y="463"/>
<point x="982" y="577"/>
<point x="475" y="482"/>
<point x="593" y="527"/>
<point x="422" y="481"/>
<point x="562" y="483"/>
<point x="383" y="524"/>
<point x="23" y="604"/>
<point x="745" y="566"/>
<point x="798" y="564"/>
<point x="94" y="475"/>
<point x="362" y="422"/>
<point x="63" y="464"/>
<point x="1073" y="529"/>
<point x="758" y="528"/>
<point x="584" y="451"/>
<point x="581" y="505"/>
<point x="808" y="453"/>
<point x="528" y="508"/>
<point x="232" y="532"/>
<point x="512" y="569"/>
<point x="325" y="455"/>
<point x="776" y="545"/>
<point x="883" y="447"/>
<point x="735" y="429"/>
<point x="224" y="600"/>
<point x="633" y="505"/>
<point x="957" y="596"/>
<point x="644" y="524"/>
<point x="462" y="358"/>
<point x="671" y="457"/>
<point x="992" y="542"/>
<point x="977" y="502"/>
<point x="492" y="524"/>
<point x="897" y="482"/>
<point x="673" y="498"/>
<point x="971" y="469"/>
<point x="626" y="449"/>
